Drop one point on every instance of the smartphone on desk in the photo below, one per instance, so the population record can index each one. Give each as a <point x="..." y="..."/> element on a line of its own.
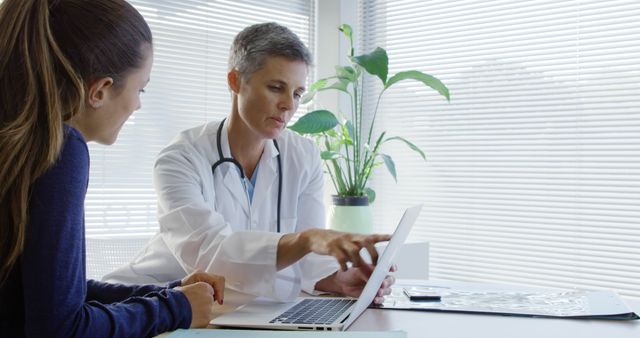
<point x="421" y="294"/>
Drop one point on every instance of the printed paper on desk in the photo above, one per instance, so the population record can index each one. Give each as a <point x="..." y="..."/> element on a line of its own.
<point x="215" y="333"/>
<point x="529" y="302"/>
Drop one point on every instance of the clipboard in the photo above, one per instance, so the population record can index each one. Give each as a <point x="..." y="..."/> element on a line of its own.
<point x="491" y="299"/>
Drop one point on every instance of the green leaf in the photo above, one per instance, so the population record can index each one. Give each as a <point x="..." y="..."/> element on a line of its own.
<point x="345" y="139"/>
<point x="307" y="97"/>
<point x="346" y="136"/>
<point x="371" y="194"/>
<point x="330" y="155"/>
<point x="313" y="89"/>
<point x="328" y="146"/>
<point x="411" y="145"/>
<point x="375" y="63"/>
<point x="366" y="171"/>
<point x="346" y="29"/>
<point x="348" y="32"/>
<point x="315" y="122"/>
<point x="342" y="185"/>
<point x="378" y="142"/>
<point x="388" y="161"/>
<point x="350" y="129"/>
<point x="427" y="79"/>
<point x="318" y="85"/>
<point x="341" y="85"/>
<point x="346" y="73"/>
<point x="333" y="143"/>
<point x="374" y="152"/>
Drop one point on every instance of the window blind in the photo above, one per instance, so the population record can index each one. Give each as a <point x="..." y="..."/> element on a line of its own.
<point x="187" y="88"/>
<point x="533" y="170"/>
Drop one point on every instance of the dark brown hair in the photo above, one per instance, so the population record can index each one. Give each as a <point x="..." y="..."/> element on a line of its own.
<point x="51" y="51"/>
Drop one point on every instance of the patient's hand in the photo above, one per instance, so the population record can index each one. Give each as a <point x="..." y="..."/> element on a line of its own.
<point x="201" y="289"/>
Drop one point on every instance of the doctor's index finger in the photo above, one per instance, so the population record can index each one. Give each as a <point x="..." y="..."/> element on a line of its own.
<point x="376" y="238"/>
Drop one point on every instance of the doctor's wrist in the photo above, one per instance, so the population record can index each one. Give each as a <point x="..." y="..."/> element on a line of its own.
<point x="305" y="240"/>
<point x="291" y="248"/>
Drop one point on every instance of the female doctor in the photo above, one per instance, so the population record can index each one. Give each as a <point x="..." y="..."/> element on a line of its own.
<point x="243" y="196"/>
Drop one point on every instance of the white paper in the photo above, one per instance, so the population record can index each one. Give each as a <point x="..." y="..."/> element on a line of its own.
<point x="488" y="298"/>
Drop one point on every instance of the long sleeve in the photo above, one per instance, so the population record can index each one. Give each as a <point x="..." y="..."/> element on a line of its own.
<point x="207" y="223"/>
<point x="198" y="235"/>
<point x="111" y="293"/>
<point x="53" y="266"/>
<point x="311" y="213"/>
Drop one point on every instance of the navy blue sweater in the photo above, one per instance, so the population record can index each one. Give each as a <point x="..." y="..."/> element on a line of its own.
<point x="47" y="294"/>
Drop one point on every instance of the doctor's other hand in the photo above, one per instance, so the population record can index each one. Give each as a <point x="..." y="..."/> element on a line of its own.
<point x="351" y="283"/>
<point x="201" y="289"/>
<point x="345" y="247"/>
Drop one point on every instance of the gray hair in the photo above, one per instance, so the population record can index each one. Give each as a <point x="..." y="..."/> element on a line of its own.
<point x="254" y="44"/>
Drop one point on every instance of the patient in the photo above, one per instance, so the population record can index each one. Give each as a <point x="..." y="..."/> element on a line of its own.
<point x="71" y="72"/>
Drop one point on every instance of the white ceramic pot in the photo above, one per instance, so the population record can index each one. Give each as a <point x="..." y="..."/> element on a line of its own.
<point x="351" y="214"/>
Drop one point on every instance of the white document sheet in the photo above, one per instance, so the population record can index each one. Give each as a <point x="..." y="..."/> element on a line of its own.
<point x="511" y="300"/>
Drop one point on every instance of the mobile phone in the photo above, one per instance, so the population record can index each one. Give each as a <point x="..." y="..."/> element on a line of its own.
<point x="417" y="295"/>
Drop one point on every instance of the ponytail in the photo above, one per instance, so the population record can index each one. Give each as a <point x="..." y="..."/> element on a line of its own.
<point x="50" y="50"/>
<point x="33" y="108"/>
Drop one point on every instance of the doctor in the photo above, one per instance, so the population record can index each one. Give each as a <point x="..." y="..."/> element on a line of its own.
<point x="242" y="197"/>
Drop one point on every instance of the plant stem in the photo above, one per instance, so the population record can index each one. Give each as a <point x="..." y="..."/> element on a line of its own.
<point x="375" y="112"/>
<point x="356" y="139"/>
<point x="340" y="177"/>
<point x="348" y="159"/>
<point x="371" y="160"/>
<point x="333" y="180"/>
<point x="362" y="169"/>
<point x="336" y="175"/>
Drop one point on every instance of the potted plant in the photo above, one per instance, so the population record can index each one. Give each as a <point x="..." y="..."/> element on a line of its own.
<point x="346" y="140"/>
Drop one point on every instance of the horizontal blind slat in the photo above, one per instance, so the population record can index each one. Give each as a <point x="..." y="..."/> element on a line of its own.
<point x="533" y="168"/>
<point x="187" y="88"/>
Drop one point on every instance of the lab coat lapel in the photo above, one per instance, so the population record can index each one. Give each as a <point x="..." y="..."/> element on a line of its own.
<point x="231" y="179"/>
<point x="233" y="184"/>
<point x="266" y="189"/>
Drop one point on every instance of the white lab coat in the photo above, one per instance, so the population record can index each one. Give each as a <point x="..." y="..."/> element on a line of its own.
<point x="207" y="223"/>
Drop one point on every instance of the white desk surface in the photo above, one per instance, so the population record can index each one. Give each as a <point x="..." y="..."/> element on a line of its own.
<point x="434" y="324"/>
<point x="453" y="325"/>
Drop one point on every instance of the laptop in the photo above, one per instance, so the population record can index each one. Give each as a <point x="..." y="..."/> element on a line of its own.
<point x="321" y="313"/>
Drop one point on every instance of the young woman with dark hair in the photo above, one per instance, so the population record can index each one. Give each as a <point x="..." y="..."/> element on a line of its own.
<point x="71" y="72"/>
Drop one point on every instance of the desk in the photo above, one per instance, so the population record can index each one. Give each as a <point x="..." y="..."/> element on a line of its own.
<point x="459" y="325"/>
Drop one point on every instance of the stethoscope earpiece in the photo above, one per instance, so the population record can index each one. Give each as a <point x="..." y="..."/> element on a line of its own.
<point x="232" y="160"/>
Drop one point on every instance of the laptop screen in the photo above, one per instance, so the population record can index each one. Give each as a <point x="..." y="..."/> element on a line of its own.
<point x="384" y="263"/>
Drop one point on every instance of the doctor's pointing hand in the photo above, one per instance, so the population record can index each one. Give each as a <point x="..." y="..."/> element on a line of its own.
<point x="243" y="197"/>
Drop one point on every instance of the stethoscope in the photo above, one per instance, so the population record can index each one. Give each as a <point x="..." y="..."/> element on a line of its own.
<point x="237" y="164"/>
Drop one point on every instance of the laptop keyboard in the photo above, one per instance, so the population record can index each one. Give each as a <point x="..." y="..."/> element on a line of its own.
<point x="314" y="311"/>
